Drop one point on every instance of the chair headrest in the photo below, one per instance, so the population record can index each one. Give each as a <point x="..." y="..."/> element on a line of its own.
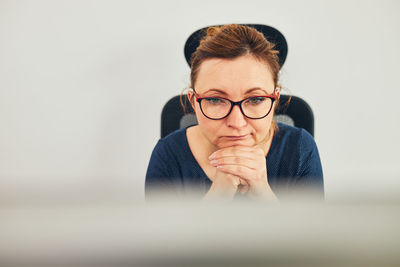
<point x="270" y="33"/>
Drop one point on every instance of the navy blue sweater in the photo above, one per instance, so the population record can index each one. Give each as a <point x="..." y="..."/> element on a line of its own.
<point x="293" y="164"/>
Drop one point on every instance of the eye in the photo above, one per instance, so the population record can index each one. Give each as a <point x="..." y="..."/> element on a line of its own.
<point x="255" y="100"/>
<point x="214" y="100"/>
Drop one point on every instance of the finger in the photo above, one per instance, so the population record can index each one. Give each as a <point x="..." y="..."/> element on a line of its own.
<point x="243" y="189"/>
<point x="243" y="182"/>
<point x="248" y="152"/>
<point x="238" y="170"/>
<point x="243" y="161"/>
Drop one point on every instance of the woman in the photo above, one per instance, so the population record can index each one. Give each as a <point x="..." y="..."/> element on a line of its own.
<point x="236" y="148"/>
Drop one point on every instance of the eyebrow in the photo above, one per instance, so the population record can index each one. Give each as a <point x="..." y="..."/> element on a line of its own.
<point x="224" y="93"/>
<point x="247" y="92"/>
<point x="215" y="91"/>
<point x="256" y="89"/>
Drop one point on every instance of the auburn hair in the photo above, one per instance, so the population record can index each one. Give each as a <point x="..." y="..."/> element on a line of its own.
<point x="232" y="41"/>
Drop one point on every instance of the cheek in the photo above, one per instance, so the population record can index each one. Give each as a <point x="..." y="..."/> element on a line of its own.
<point x="262" y="126"/>
<point x="203" y="121"/>
<point x="207" y="124"/>
<point x="208" y="127"/>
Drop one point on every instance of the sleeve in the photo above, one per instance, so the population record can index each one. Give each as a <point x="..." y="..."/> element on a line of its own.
<point x="310" y="175"/>
<point x="159" y="176"/>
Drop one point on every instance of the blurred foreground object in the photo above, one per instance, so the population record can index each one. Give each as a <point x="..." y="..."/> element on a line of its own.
<point x="173" y="234"/>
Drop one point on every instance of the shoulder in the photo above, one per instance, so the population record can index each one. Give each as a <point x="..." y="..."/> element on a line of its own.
<point x="171" y="151"/>
<point x="293" y="148"/>
<point x="166" y="159"/>
<point x="176" y="136"/>
<point x="299" y="145"/>
<point x="285" y="130"/>
<point x="172" y="142"/>
<point x="294" y="156"/>
<point x="290" y="135"/>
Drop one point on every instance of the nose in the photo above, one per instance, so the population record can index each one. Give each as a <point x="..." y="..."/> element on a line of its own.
<point x="236" y="119"/>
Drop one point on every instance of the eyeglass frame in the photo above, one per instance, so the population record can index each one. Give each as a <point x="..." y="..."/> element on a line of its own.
<point x="272" y="96"/>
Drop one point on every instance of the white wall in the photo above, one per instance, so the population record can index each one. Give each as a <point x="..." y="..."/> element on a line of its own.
<point x="82" y="85"/>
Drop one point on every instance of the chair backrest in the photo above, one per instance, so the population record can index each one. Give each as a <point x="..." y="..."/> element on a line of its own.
<point x="295" y="112"/>
<point x="270" y="33"/>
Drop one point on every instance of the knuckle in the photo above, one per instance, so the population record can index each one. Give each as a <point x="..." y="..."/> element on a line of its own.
<point x="239" y="169"/>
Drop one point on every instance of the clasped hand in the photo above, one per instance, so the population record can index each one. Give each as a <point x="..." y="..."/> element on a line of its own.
<point x="240" y="169"/>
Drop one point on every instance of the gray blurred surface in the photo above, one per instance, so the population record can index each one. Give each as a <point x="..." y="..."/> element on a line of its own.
<point x="194" y="234"/>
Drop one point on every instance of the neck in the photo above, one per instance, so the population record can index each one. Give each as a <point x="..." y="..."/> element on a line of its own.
<point x="266" y="143"/>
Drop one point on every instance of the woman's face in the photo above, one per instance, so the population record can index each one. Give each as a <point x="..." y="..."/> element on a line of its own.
<point x="235" y="79"/>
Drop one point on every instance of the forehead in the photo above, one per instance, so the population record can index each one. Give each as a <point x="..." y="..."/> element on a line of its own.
<point x="234" y="76"/>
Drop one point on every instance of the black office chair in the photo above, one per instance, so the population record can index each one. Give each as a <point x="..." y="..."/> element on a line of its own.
<point x="292" y="110"/>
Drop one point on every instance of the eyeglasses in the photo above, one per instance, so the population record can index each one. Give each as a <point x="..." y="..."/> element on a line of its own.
<point x="218" y="108"/>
